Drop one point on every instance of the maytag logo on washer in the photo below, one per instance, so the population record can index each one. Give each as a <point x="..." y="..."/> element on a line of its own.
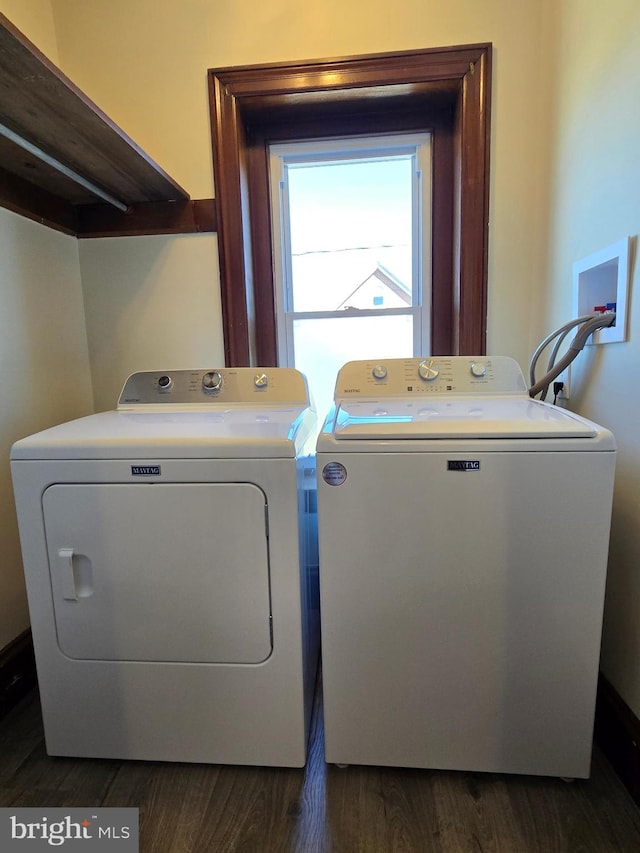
<point x="145" y="471"/>
<point x="114" y="829"/>
<point x="463" y="465"/>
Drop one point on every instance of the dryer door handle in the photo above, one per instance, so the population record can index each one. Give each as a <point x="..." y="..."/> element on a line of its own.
<point x="67" y="577"/>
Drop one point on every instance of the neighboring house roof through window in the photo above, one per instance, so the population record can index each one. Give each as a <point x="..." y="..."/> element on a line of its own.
<point x="379" y="289"/>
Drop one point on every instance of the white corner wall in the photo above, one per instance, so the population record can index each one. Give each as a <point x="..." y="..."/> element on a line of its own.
<point x="152" y="303"/>
<point x="594" y="202"/>
<point x="45" y="369"/>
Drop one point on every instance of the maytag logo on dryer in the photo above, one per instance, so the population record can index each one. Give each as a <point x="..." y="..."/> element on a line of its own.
<point x="463" y="465"/>
<point x="146" y="471"/>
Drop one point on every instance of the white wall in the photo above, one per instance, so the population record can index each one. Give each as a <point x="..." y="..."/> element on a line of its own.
<point x="152" y="303"/>
<point x="43" y="346"/>
<point x="45" y="369"/>
<point x="594" y="202"/>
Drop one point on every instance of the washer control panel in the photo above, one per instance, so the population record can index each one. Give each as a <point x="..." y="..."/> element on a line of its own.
<point x="259" y="386"/>
<point x="433" y="375"/>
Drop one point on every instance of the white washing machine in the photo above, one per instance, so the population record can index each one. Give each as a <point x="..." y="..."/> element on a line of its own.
<point x="171" y="586"/>
<point x="463" y="535"/>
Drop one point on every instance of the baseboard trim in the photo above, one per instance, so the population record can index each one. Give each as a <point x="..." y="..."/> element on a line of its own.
<point x="17" y="671"/>
<point x="617" y="733"/>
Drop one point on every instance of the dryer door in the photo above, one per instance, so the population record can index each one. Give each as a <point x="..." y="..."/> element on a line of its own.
<point x="160" y="572"/>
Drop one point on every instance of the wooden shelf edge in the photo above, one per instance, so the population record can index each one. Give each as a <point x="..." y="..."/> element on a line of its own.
<point x="101" y="220"/>
<point x="167" y="217"/>
<point x="34" y="203"/>
<point x="41" y="108"/>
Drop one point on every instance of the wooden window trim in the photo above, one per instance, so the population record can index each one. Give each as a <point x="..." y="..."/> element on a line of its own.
<point x="446" y="90"/>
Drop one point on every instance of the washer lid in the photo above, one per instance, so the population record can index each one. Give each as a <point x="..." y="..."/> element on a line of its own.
<point x="224" y="433"/>
<point x="457" y="418"/>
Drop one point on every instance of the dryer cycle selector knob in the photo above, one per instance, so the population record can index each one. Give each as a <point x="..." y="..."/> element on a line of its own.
<point x="428" y="370"/>
<point x="478" y="369"/>
<point x="212" y="381"/>
<point x="261" y="380"/>
<point x="380" y="371"/>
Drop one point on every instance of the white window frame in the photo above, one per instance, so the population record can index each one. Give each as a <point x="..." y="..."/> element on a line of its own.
<point x="283" y="155"/>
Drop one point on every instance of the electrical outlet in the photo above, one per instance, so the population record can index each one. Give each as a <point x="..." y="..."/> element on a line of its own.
<point x="565" y="378"/>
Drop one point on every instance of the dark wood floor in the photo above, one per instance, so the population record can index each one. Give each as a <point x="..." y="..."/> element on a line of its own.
<point x="212" y="809"/>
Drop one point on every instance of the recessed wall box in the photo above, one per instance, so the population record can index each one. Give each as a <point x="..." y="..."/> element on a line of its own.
<point x="601" y="281"/>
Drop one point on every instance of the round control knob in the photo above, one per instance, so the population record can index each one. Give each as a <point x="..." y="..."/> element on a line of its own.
<point x="478" y="368"/>
<point x="380" y="371"/>
<point x="165" y="383"/>
<point x="261" y="380"/>
<point x="212" y="381"/>
<point x="428" y="370"/>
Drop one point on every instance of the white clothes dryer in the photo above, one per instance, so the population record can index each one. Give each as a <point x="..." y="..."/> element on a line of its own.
<point x="168" y="558"/>
<point x="463" y="533"/>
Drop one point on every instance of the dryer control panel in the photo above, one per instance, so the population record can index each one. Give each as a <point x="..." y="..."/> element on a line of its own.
<point x="419" y="377"/>
<point x="215" y="386"/>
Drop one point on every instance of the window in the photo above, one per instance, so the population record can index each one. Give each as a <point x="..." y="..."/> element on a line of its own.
<point x="350" y="225"/>
<point x="445" y="91"/>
